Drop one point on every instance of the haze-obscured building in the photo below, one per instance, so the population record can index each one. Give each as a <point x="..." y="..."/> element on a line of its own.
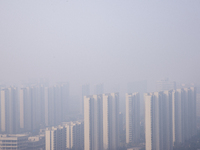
<point x="140" y="87"/>
<point x="36" y="142"/>
<point x="184" y="114"/>
<point x="170" y="118"/>
<point x="74" y="135"/>
<point x="68" y="135"/>
<point x="101" y="122"/>
<point x="85" y="92"/>
<point x="132" y="118"/>
<point x="158" y="121"/>
<point x="9" y="113"/>
<point x="13" y="141"/>
<point x="99" y="89"/>
<point x="165" y="84"/>
<point x="56" y="104"/>
<point x="55" y="138"/>
<point x="198" y="105"/>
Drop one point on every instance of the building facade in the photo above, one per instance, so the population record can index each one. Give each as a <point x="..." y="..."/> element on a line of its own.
<point x="132" y="118"/>
<point x="36" y="142"/>
<point x="170" y="118"/>
<point x="13" y="141"/>
<point x="55" y="138"/>
<point x="69" y="135"/>
<point x="158" y="124"/>
<point x="74" y="135"/>
<point x="9" y="110"/>
<point x="101" y="127"/>
<point x="184" y="114"/>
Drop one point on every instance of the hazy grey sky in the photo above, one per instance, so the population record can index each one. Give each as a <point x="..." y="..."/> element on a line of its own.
<point x="110" y="42"/>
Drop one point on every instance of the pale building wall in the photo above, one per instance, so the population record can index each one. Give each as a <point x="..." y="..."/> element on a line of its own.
<point x="184" y="114"/>
<point x="132" y="117"/>
<point x="198" y="105"/>
<point x="158" y="120"/>
<point x="148" y="121"/>
<point x="110" y="121"/>
<point x="46" y="106"/>
<point x="101" y="125"/>
<point x="3" y="111"/>
<point x="87" y="121"/>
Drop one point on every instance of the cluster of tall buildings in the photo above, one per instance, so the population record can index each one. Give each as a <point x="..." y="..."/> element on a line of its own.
<point x="170" y="118"/>
<point x="32" y="107"/>
<point x="101" y="122"/>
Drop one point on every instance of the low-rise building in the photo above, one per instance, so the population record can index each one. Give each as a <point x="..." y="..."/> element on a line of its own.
<point x="36" y="142"/>
<point x="13" y="141"/>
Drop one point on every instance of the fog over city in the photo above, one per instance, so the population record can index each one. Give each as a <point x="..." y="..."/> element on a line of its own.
<point x="109" y="42"/>
<point x="99" y="75"/>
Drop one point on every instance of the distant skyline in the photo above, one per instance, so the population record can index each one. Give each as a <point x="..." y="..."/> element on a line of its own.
<point x="109" y="42"/>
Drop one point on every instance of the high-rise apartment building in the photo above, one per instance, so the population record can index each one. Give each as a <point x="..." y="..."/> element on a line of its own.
<point x="85" y="92"/>
<point x="101" y="117"/>
<point x="64" y="87"/>
<point x="110" y="121"/>
<point x="141" y="87"/>
<point x="69" y="135"/>
<point x="9" y="110"/>
<point x="93" y="122"/>
<point x="132" y="118"/>
<point x="56" y="104"/>
<point x="121" y="126"/>
<point x="158" y="126"/>
<point x="47" y="108"/>
<point x="170" y="118"/>
<point x="198" y="105"/>
<point x="55" y="138"/>
<point x="74" y="135"/>
<point x="29" y="107"/>
<point x="32" y="107"/>
<point x="184" y="114"/>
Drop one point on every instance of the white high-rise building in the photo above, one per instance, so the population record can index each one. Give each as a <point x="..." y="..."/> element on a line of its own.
<point x="184" y="114"/>
<point x="110" y="121"/>
<point x="74" y="135"/>
<point x="55" y="138"/>
<point x="68" y="136"/>
<point x="93" y="122"/>
<point x="170" y="118"/>
<point x="101" y="127"/>
<point x="85" y="92"/>
<point x="158" y="124"/>
<point x="132" y="117"/>
<point x="29" y="108"/>
<point x="8" y="109"/>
